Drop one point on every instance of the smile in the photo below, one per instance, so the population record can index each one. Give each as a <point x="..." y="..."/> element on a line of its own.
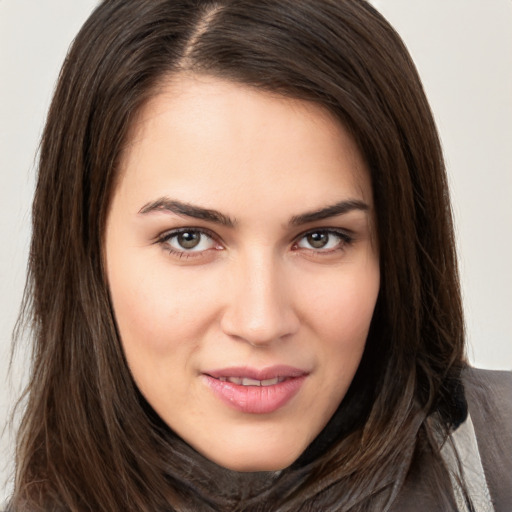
<point x="246" y="381"/>
<point x="256" y="391"/>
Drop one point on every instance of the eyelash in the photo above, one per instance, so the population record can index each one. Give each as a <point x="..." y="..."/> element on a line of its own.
<point x="346" y="239"/>
<point x="165" y="238"/>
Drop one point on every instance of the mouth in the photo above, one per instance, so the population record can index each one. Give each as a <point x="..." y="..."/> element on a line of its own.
<point x="256" y="391"/>
<point x="246" y="381"/>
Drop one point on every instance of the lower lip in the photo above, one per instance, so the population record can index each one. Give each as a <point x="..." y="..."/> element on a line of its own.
<point x="256" y="399"/>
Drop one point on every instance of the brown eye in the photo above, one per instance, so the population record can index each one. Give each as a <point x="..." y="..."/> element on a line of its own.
<point x="324" y="240"/>
<point x="188" y="239"/>
<point x="318" y="240"/>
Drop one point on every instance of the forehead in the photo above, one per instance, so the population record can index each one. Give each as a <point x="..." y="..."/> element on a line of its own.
<point x="200" y="136"/>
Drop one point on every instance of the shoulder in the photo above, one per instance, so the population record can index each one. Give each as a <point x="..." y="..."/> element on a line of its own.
<point x="489" y="398"/>
<point x="493" y="381"/>
<point x="489" y="401"/>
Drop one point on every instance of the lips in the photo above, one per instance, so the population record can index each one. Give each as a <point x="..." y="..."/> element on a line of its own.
<point x="256" y="391"/>
<point x="246" y="381"/>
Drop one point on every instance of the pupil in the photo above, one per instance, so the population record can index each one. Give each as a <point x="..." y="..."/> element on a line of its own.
<point x="188" y="240"/>
<point x="318" y="240"/>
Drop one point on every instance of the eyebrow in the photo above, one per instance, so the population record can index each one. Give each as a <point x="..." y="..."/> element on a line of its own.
<point x="340" y="208"/>
<point x="181" y="208"/>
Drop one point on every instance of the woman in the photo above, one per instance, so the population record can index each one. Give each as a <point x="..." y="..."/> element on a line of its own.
<point x="243" y="283"/>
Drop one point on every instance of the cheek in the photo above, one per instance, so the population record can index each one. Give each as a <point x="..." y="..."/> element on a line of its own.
<point x="342" y="307"/>
<point x="161" y="330"/>
<point x="159" y="312"/>
<point x="337" y="310"/>
<point x="340" y="314"/>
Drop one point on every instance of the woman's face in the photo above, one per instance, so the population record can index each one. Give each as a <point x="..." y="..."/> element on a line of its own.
<point x="242" y="268"/>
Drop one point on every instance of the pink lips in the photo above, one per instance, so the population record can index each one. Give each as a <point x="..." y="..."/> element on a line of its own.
<point x="276" y="386"/>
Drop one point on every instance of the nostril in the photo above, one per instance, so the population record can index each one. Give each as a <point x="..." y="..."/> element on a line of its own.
<point x="260" y="331"/>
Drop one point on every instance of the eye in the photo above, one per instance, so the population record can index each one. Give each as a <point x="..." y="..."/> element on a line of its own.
<point x="324" y="240"/>
<point x="187" y="240"/>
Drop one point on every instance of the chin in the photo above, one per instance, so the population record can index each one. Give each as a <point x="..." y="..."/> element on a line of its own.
<point x="262" y="459"/>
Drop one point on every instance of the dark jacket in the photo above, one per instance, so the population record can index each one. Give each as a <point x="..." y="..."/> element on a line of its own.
<point x="488" y="469"/>
<point x="489" y="398"/>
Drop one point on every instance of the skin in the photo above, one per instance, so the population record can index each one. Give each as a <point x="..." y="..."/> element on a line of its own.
<point x="256" y="293"/>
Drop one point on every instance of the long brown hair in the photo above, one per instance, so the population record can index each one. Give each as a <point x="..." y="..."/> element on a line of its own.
<point x="88" y="441"/>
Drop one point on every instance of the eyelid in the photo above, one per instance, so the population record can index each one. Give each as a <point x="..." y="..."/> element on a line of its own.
<point x="164" y="237"/>
<point x="347" y="237"/>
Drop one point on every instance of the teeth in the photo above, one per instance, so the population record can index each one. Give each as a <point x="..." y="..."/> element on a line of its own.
<point x="245" y="381"/>
<point x="270" y="382"/>
<point x="250" y="382"/>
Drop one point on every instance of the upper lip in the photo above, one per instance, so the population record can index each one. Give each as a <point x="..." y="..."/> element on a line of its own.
<point x="270" y="372"/>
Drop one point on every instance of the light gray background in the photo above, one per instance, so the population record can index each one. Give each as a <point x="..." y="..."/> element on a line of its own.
<point x="463" y="50"/>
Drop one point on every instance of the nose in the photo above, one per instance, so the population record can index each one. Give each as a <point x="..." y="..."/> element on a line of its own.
<point x="260" y="303"/>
